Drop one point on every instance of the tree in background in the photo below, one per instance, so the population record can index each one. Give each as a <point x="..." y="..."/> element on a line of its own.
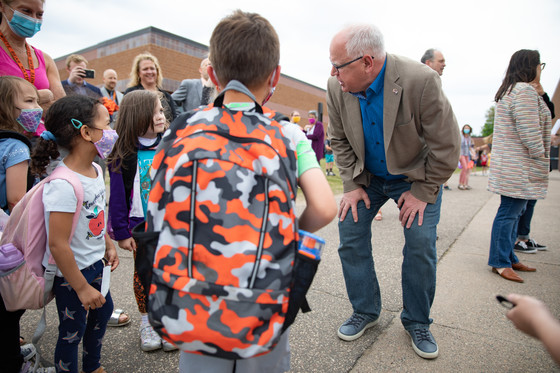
<point x="488" y="127"/>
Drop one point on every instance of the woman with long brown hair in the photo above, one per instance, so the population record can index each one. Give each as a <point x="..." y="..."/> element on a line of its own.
<point x="520" y="157"/>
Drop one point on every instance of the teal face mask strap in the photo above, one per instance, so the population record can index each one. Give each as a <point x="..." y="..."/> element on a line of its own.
<point x="76" y="123"/>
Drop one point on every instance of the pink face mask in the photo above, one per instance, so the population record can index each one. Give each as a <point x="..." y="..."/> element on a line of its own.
<point x="105" y="144"/>
<point x="311" y="120"/>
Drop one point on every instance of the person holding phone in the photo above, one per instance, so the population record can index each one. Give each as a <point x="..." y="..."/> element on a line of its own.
<point x="533" y="318"/>
<point x="76" y="65"/>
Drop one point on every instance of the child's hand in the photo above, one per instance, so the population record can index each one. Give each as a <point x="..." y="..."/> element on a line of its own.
<point x="128" y="244"/>
<point x="112" y="257"/>
<point x="90" y="298"/>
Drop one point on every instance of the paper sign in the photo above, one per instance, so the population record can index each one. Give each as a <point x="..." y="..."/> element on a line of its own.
<point x="105" y="280"/>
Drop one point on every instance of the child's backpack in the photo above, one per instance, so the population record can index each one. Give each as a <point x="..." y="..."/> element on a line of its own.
<point x="222" y="232"/>
<point x="29" y="285"/>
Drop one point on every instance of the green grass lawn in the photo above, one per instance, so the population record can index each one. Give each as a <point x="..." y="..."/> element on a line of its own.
<point x="334" y="181"/>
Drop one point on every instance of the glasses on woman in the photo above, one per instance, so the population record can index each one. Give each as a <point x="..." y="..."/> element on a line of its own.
<point x="542" y="65"/>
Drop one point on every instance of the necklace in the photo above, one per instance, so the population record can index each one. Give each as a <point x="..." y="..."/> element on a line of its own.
<point x="31" y="77"/>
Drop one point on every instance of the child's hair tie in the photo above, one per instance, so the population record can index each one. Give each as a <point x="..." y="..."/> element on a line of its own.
<point x="47" y="135"/>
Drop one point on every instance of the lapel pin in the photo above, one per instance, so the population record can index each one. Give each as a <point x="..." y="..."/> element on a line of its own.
<point x="395" y="91"/>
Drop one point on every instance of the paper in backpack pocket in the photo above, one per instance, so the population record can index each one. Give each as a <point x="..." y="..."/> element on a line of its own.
<point x="105" y="280"/>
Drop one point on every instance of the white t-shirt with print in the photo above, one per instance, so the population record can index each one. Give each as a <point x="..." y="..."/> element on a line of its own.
<point x="88" y="242"/>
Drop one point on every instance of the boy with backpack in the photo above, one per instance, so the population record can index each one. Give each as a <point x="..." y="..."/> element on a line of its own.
<point x="222" y="206"/>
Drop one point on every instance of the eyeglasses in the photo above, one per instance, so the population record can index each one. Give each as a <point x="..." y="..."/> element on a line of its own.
<point x="543" y="65"/>
<point x="338" y="67"/>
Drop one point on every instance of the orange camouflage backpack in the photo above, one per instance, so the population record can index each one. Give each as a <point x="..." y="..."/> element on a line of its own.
<point x="222" y="231"/>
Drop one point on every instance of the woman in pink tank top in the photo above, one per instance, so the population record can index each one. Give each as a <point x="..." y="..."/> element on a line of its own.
<point x="17" y="58"/>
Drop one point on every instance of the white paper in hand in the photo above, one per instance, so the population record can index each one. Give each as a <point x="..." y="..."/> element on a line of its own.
<point x="106" y="280"/>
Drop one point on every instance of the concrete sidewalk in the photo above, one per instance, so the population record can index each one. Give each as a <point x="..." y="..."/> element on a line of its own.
<point x="469" y="325"/>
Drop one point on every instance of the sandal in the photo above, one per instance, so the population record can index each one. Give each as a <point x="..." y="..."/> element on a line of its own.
<point x="379" y="216"/>
<point x="117" y="320"/>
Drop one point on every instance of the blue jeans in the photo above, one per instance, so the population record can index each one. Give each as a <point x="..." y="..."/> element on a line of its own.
<point x="504" y="232"/>
<point x="75" y="322"/>
<point x="524" y="225"/>
<point x="419" y="251"/>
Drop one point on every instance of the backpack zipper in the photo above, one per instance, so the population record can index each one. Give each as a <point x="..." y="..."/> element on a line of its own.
<point x="191" y="217"/>
<point x="261" y="238"/>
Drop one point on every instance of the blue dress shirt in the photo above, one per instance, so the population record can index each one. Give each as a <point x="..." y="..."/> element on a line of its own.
<point x="371" y="105"/>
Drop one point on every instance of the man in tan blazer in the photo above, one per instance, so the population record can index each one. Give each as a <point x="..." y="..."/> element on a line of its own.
<point x="394" y="136"/>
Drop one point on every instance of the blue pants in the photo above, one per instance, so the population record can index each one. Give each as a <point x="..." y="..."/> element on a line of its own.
<point x="524" y="225"/>
<point x="76" y="323"/>
<point x="504" y="232"/>
<point x="419" y="252"/>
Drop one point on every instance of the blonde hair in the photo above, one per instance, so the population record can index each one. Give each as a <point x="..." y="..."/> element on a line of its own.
<point x="135" y="71"/>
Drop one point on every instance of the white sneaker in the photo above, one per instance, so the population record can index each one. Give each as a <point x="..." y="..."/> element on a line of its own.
<point x="149" y="339"/>
<point x="45" y="370"/>
<point x="28" y="351"/>
<point x="168" y="346"/>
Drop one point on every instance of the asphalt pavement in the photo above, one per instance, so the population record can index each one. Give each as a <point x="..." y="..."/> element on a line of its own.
<point x="469" y="325"/>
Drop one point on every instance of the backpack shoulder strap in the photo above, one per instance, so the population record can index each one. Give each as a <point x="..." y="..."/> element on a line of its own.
<point x="18" y="136"/>
<point x="65" y="173"/>
<point x="15" y="135"/>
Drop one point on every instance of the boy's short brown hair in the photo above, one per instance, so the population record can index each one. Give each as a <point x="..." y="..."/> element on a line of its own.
<point x="76" y="58"/>
<point x="245" y="47"/>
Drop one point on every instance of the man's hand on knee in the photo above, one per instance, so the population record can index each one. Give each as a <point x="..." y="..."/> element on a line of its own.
<point x="350" y="201"/>
<point x="410" y="206"/>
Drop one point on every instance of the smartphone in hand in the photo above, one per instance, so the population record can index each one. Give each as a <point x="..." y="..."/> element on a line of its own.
<point x="504" y="302"/>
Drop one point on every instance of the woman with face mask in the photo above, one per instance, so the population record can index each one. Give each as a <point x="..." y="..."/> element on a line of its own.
<point x="467" y="155"/>
<point x="22" y="19"/>
<point x="316" y="133"/>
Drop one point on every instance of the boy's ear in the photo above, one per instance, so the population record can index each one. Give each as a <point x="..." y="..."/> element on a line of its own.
<point x="276" y="75"/>
<point x="214" y="78"/>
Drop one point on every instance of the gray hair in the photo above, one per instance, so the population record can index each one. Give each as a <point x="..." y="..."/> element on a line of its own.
<point x="428" y="55"/>
<point x="364" y="39"/>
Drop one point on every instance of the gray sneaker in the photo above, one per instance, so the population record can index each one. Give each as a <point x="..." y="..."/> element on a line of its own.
<point x="167" y="346"/>
<point x="355" y="326"/>
<point x="423" y="343"/>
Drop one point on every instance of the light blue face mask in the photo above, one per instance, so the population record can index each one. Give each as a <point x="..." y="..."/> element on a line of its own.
<point x="23" y="25"/>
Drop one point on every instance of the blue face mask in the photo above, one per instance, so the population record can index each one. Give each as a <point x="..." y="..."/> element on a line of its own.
<point x="24" y="26"/>
<point x="466" y="131"/>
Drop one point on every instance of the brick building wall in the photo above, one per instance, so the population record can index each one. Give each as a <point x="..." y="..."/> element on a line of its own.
<point x="180" y="59"/>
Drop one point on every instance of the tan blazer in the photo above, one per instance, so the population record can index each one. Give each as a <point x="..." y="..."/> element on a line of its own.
<point x="420" y="131"/>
